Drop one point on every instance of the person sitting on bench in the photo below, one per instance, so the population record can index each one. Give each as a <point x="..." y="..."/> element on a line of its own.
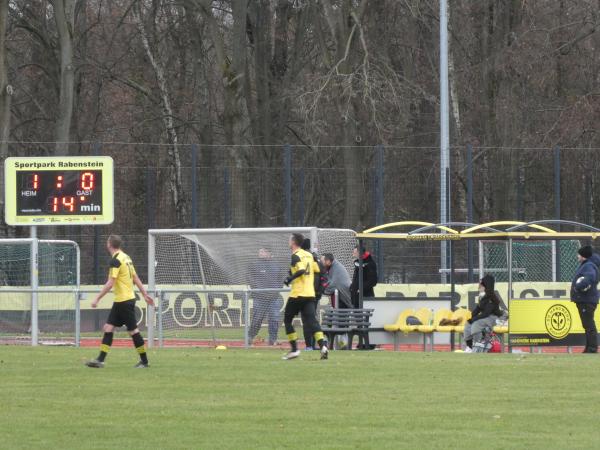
<point x="484" y="315"/>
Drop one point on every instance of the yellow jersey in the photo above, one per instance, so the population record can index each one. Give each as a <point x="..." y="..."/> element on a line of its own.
<point x="303" y="286"/>
<point x="122" y="270"/>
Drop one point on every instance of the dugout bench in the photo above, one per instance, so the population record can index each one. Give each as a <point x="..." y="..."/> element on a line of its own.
<point x="351" y="322"/>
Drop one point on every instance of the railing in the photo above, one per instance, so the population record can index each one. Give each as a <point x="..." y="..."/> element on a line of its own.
<point x="154" y="315"/>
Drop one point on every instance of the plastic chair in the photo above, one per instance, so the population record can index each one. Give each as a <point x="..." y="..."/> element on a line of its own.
<point x="395" y="327"/>
<point x="425" y="316"/>
<point x="438" y="316"/>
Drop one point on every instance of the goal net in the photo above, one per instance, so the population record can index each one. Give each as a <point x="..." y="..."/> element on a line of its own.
<point x="212" y="282"/>
<point x="48" y="299"/>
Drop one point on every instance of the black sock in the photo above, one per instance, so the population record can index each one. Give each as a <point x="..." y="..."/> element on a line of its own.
<point x="469" y="343"/>
<point x="138" y="342"/>
<point x="105" y="347"/>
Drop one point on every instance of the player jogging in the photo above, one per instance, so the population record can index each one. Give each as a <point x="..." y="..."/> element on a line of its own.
<point x="121" y="278"/>
<point x="302" y="298"/>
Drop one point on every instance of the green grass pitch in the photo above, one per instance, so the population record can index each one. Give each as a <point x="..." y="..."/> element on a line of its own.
<point x="238" y="399"/>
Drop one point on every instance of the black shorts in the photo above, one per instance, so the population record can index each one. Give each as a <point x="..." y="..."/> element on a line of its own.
<point x="123" y="313"/>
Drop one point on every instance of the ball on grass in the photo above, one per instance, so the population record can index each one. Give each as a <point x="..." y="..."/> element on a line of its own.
<point x="220" y="347"/>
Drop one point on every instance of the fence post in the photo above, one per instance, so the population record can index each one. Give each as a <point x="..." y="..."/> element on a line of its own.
<point x="77" y="317"/>
<point x="379" y="202"/>
<point x="557" y="194"/>
<point x="226" y="193"/>
<point x="449" y="218"/>
<point x="246" y="320"/>
<point x="589" y="200"/>
<point x="470" y="210"/>
<point x="194" y="182"/>
<point x="96" y="150"/>
<point x="160" y="319"/>
<point x="150" y="197"/>
<point x="288" y="184"/>
<point x="150" y="318"/>
<point x="34" y="286"/>
<point x="301" y="199"/>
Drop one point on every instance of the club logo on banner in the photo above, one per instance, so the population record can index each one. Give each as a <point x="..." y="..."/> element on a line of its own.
<point x="558" y="321"/>
<point x="546" y="322"/>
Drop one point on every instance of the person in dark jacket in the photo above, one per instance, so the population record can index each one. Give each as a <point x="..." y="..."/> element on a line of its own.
<point x="369" y="276"/>
<point x="584" y="292"/>
<point x="266" y="273"/>
<point x="485" y="314"/>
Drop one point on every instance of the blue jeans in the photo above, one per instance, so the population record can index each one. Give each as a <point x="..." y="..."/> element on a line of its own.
<point x="269" y="308"/>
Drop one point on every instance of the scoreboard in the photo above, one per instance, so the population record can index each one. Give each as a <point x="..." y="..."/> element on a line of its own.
<point x="59" y="190"/>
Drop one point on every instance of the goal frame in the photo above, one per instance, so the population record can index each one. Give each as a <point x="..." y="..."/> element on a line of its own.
<point x="311" y="232"/>
<point x="34" y="289"/>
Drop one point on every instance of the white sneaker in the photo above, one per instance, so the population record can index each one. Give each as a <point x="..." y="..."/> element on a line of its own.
<point x="468" y="350"/>
<point x="324" y="352"/>
<point x="291" y="355"/>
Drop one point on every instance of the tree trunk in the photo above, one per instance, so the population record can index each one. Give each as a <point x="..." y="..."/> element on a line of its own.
<point x="345" y="36"/>
<point x="234" y="75"/>
<point x="64" y="13"/>
<point x="175" y="176"/>
<point x="6" y="91"/>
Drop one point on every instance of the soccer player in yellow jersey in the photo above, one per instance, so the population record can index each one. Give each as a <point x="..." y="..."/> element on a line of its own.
<point x="302" y="298"/>
<point x="121" y="278"/>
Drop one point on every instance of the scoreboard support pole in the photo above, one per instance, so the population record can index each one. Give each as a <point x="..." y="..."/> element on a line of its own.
<point x="34" y="286"/>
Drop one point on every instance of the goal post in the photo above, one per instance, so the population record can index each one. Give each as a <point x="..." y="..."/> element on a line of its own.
<point x="39" y="290"/>
<point x="207" y="282"/>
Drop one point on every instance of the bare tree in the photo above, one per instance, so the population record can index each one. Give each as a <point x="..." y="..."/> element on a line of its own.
<point x="175" y="178"/>
<point x="64" y="13"/>
<point x="6" y="91"/>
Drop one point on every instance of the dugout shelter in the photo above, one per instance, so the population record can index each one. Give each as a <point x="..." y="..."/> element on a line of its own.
<point x="551" y="244"/>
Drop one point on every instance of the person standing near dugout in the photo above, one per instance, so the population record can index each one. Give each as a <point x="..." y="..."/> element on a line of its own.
<point x="302" y="298"/>
<point x="337" y="280"/>
<point x="121" y="278"/>
<point x="370" y="276"/>
<point x="584" y="292"/>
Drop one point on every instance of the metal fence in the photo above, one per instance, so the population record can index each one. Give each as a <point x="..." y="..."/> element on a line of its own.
<point x="338" y="187"/>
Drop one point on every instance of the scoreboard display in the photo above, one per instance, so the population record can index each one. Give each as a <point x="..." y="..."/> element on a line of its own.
<point x="59" y="190"/>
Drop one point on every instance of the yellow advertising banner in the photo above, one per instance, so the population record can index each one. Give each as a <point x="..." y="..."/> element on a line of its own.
<point x="465" y="295"/>
<point x="546" y="322"/>
<point x="534" y="320"/>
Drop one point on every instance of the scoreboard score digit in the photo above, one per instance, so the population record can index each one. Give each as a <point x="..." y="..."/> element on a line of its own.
<point x="59" y="190"/>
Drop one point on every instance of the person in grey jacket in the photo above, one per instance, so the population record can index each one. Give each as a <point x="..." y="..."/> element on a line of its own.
<point x="337" y="279"/>
<point x="266" y="273"/>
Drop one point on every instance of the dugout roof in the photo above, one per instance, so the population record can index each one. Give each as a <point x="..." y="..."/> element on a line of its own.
<point x="500" y="230"/>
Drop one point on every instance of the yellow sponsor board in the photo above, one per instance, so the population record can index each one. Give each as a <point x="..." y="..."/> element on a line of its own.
<point x="546" y="322"/>
<point x="534" y="320"/>
<point x="464" y="295"/>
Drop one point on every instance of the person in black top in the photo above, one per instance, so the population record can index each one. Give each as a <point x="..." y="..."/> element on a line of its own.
<point x="584" y="292"/>
<point x="485" y="314"/>
<point x="369" y="276"/>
